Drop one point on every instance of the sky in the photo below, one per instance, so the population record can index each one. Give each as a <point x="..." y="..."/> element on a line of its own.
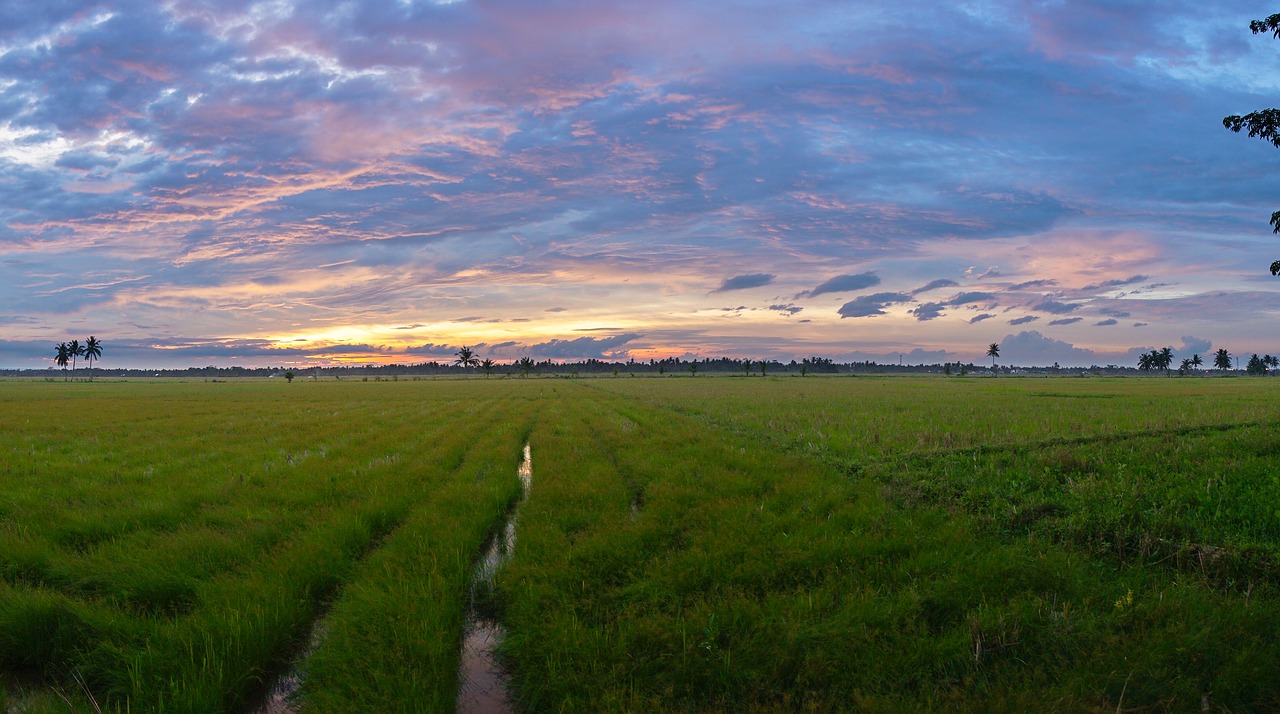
<point x="307" y="182"/>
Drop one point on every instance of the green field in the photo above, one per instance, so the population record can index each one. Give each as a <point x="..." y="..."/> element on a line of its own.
<point x="688" y="544"/>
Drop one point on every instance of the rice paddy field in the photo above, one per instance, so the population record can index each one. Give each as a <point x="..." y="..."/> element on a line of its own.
<point x="691" y="544"/>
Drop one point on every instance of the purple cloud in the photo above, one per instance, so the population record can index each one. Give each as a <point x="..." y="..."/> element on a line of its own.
<point x="1056" y="308"/>
<point x="744" y="282"/>
<point x="844" y="284"/>
<point x="870" y="305"/>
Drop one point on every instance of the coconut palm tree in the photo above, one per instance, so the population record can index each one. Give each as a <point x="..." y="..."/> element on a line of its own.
<point x="1145" y="361"/>
<point x="993" y="351"/>
<point x="1165" y="356"/>
<point x="62" y="358"/>
<point x="76" y="350"/>
<point x="487" y="365"/>
<point x="1196" y="361"/>
<point x="1186" y="365"/>
<point x="526" y="365"/>
<point x="466" y="358"/>
<point x="92" y="351"/>
<point x="1222" y="359"/>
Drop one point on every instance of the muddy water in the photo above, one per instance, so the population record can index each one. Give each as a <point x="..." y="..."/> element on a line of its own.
<point x="481" y="685"/>
<point x="278" y="696"/>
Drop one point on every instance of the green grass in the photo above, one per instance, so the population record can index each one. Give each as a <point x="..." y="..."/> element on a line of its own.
<point x="689" y="544"/>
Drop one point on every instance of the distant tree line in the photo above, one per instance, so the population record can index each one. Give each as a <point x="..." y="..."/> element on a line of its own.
<point x="467" y="361"/>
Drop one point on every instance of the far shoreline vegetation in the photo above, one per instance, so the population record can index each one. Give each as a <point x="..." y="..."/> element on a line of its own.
<point x="671" y="367"/>
<point x="468" y="363"/>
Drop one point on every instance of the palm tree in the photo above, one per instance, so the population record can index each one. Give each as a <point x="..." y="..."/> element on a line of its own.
<point x="1144" y="361"/>
<point x="92" y="351"/>
<point x="62" y="358"/>
<point x="76" y="350"/>
<point x="487" y="365"/>
<point x="1186" y="365"/>
<point x="1271" y="361"/>
<point x="526" y="365"/>
<point x="1166" y="359"/>
<point x="1196" y="361"/>
<point x="746" y="368"/>
<point x="1222" y="359"/>
<point x="993" y="351"/>
<point x="1256" y="365"/>
<point x="466" y="358"/>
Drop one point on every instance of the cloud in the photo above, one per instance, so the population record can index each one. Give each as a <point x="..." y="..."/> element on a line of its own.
<point x="1023" y="320"/>
<point x="970" y="297"/>
<point x="869" y="305"/>
<point x="1105" y="323"/>
<point x="743" y="282"/>
<point x="1033" y="348"/>
<point x="843" y="284"/>
<point x="582" y="347"/>
<point x="1043" y="283"/>
<point x="979" y="318"/>
<point x="934" y="285"/>
<point x="1056" y="308"/>
<point x="1066" y="321"/>
<point x="1114" y="312"/>
<point x="928" y="310"/>
<point x="1195" y="345"/>
<point x="787" y="309"/>
<point x="1111" y="284"/>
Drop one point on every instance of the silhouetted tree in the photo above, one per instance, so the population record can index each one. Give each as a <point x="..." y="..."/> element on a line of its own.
<point x="1264" y="123"/>
<point x="1196" y="361"/>
<point x="1222" y="359"/>
<point x="487" y="365"/>
<point x="1186" y="365"/>
<point x="526" y="365"/>
<point x="92" y="351"/>
<point x="1164" y="359"/>
<point x="288" y="376"/>
<point x="693" y="367"/>
<point x="1256" y="365"/>
<point x="466" y="358"/>
<point x="993" y="351"/>
<point x="62" y="358"/>
<point x="1145" y="361"/>
<point x="76" y="350"/>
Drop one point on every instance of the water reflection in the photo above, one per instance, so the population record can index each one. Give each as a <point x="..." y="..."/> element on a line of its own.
<point x="482" y="685"/>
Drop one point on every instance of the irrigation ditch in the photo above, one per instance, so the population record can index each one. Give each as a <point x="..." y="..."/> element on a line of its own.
<point x="481" y="681"/>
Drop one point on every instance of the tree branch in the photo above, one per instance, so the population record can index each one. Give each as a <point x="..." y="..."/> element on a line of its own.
<point x="1271" y="24"/>
<point x="1264" y="124"/>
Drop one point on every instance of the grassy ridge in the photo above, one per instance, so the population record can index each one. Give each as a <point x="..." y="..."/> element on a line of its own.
<point x="752" y="580"/>
<point x="825" y="544"/>
<point x="168" y="544"/>
<point x="391" y="641"/>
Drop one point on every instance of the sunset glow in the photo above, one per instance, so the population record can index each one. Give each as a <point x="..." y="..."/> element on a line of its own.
<point x="303" y="183"/>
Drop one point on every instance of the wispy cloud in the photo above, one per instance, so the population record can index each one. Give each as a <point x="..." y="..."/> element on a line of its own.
<point x="843" y="284"/>
<point x="744" y="282"/>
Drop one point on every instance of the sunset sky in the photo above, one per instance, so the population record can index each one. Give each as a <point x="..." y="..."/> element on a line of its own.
<point x="301" y="182"/>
